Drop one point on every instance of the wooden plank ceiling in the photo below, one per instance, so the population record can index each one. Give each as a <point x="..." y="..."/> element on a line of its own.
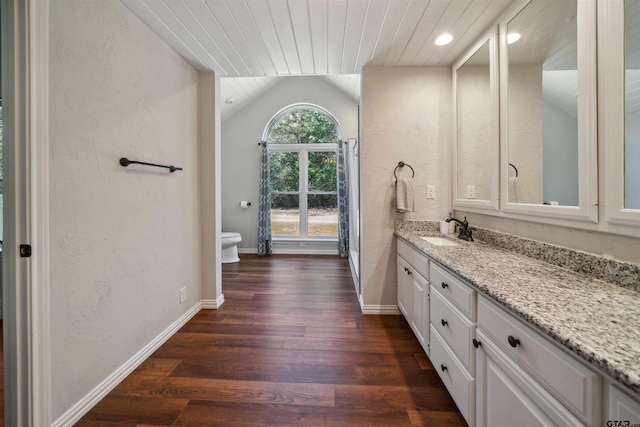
<point x="276" y="38"/>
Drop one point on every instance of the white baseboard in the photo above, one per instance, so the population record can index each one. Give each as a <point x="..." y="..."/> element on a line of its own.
<point x="380" y="309"/>
<point x="213" y="304"/>
<point x="292" y="251"/>
<point x="248" y="251"/>
<point x="85" y="404"/>
<point x="297" y="251"/>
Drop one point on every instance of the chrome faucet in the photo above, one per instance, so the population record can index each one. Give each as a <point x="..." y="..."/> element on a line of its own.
<point x="465" y="230"/>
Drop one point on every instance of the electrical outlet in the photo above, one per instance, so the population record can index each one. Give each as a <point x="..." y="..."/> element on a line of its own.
<point x="471" y="191"/>
<point x="431" y="192"/>
<point x="183" y="294"/>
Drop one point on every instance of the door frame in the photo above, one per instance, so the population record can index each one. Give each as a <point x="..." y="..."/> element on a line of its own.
<point x="25" y="84"/>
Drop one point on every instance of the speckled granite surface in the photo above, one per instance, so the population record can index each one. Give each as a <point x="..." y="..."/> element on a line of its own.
<point x="597" y="320"/>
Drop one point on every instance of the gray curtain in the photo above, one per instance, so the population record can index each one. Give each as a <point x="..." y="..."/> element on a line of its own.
<point x="343" y="200"/>
<point x="264" y="204"/>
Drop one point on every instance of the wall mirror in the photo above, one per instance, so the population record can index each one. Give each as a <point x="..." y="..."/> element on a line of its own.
<point x="475" y="127"/>
<point x="632" y="104"/>
<point x="619" y="43"/>
<point x="549" y="110"/>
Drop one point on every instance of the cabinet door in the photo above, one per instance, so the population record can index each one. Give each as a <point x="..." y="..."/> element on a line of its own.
<point x="420" y="317"/>
<point x="622" y="408"/>
<point x="507" y="396"/>
<point x="405" y="289"/>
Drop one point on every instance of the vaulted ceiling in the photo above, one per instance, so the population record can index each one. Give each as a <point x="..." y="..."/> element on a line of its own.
<point x="271" y="39"/>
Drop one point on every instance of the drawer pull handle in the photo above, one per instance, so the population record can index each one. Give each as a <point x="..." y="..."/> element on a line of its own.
<point x="444" y="322"/>
<point x="444" y="285"/>
<point x="476" y="343"/>
<point x="513" y="342"/>
<point x="443" y="367"/>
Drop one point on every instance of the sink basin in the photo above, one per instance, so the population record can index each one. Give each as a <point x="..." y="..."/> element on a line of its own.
<point x="440" y="241"/>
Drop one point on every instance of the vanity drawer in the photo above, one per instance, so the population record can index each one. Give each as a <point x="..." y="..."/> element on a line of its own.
<point x="566" y="377"/>
<point x="418" y="261"/>
<point x="459" y="383"/>
<point x="459" y="294"/>
<point x="454" y="328"/>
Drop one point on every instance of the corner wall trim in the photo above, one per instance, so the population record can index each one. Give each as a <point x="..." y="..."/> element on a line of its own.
<point x="380" y="309"/>
<point x="212" y="304"/>
<point x="85" y="404"/>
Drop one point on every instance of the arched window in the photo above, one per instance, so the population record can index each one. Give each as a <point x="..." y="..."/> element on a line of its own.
<point x="302" y="143"/>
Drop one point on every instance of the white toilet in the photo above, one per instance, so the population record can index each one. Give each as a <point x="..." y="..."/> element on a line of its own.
<point x="230" y="242"/>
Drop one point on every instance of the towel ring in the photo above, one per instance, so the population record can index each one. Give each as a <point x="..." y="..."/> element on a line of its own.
<point x="514" y="168"/>
<point x="403" y="164"/>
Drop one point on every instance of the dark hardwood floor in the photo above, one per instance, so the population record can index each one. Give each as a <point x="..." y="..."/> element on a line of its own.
<point x="288" y="347"/>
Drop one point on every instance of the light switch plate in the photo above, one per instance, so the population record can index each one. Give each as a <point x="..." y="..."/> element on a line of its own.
<point x="471" y="191"/>
<point x="431" y="192"/>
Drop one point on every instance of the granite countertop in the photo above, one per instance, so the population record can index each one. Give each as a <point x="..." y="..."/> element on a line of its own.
<point x="597" y="320"/>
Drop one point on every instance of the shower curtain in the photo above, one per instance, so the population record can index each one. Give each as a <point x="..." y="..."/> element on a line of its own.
<point x="343" y="201"/>
<point x="265" y="246"/>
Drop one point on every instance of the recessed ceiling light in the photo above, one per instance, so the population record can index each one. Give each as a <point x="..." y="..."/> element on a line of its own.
<point x="444" y="39"/>
<point x="513" y="37"/>
<point x="228" y="101"/>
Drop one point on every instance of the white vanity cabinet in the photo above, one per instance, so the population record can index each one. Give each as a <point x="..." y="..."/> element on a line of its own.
<point x="452" y="309"/>
<point x="524" y="378"/>
<point x="621" y="408"/>
<point x="497" y="367"/>
<point x="413" y="291"/>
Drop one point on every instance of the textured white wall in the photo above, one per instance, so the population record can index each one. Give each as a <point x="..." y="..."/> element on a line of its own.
<point x="123" y="241"/>
<point x="406" y="116"/>
<point x="242" y="132"/>
<point x="210" y="182"/>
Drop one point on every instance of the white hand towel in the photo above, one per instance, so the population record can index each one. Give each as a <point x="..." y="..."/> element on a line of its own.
<point x="514" y="190"/>
<point x="405" y="201"/>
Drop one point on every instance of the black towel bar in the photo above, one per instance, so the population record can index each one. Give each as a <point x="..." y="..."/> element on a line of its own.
<point x="514" y="168"/>
<point x="401" y="165"/>
<point x="126" y="162"/>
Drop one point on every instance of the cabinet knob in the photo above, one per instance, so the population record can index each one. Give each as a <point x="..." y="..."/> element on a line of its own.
<point x="444" y="322"/>
<point x="444" y="285"/>
<point x="409" y="272"/>
<point x="406" y="269"/>
<point x="513" y="342"/>
<point x="476" y="343"/>
<point x="443" y="367"/>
